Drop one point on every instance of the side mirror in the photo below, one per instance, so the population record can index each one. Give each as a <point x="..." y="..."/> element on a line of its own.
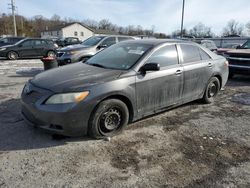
<point x="150" y="67"/>
<point x="102" y="46"/>
<point x="238" y="47"/>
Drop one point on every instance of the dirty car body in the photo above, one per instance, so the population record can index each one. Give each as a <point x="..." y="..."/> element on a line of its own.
<point x="147" y="76"/>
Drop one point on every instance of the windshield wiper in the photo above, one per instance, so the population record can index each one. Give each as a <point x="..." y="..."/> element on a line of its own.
<point x="97" y="65"/>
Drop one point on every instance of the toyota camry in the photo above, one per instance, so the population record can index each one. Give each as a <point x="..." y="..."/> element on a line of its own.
<point x="121" y="84"/>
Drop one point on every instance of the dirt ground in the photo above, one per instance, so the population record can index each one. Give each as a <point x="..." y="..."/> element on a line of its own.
<point x="194" y="145"/>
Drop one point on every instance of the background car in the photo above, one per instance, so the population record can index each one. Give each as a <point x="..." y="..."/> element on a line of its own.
<point x="227" y="47"/>
<point x="87" y="48"/>
<point x="239" y="59"/>
<point x="121" y="84"/>
<point x="67" y="41"/>
<point x="209" y="44"/>
<point x="9" y="40"/>
<point x="30" y="47"/>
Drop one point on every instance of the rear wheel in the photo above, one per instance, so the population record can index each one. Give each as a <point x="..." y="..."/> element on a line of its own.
<point x="211" y="91"/>
<point x="51" y="53"/>
<point x="109" y="119"/>
<point x="12" y="55"/>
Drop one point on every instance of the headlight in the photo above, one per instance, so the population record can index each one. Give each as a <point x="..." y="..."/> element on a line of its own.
<point x="67" y="98"/>
<point x="72" y="52"/>
<point x="2" y="49"/>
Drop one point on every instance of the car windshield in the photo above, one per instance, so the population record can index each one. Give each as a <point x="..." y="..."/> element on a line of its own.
<point x="121" y="56"/>
<point x="246" y="45"/>
<point x="19" y="42"/>
<point x="92" y="41"/>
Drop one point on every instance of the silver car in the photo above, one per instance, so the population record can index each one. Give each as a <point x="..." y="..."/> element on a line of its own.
<point x="88" y="48"/>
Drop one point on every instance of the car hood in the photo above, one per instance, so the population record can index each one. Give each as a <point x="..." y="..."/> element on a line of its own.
<point x="239" y="51"/>
<point x="74" y="47"/>
<point x="73" y="77"/>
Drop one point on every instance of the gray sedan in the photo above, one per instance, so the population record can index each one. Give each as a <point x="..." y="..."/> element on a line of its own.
<point x="121" y="84"/>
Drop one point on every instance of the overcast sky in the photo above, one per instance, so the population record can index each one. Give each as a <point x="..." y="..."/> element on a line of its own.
<point x="165" y="15"/>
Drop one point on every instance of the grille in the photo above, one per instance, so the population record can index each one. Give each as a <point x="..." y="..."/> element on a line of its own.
<point x="239" y="61"/>
<point x="59" y="54"/>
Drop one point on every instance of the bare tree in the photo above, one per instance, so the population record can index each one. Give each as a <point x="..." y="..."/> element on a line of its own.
<point x="200" y="30"/>
<point x="233" y="28"/>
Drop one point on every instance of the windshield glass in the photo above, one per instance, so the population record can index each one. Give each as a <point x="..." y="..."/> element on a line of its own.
<point x="246" y="45"/>
<point x="19" y="42"/>
<point x="121" y="56"/>
<point x="92" y="41"/>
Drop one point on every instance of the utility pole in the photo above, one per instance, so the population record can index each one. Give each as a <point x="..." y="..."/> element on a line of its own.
<point x="13" y="8"/>
<point x="182" y="17"/>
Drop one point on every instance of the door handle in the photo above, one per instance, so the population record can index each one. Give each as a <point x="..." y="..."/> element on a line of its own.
<point x="210" y="65"/>
<point x="178" y="72"/>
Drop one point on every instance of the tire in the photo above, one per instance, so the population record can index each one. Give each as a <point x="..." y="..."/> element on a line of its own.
<point x="12" y="55"/>
<point x="212" y="89"/>
<point x="51" y="54"/>
<point x="109" y="119"/>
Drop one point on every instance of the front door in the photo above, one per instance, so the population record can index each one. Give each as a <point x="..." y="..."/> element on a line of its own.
<point x="157" y="90"/>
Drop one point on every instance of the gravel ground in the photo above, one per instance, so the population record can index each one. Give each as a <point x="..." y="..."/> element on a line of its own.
<point x="193" y="145"/>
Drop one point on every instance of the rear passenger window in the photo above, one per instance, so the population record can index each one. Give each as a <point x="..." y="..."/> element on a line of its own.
<point x="165" y="56"/>
<point x="204" y="55"/>
<point x="190" y="53"/>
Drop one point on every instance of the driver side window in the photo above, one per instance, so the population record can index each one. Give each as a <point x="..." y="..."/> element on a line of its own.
<point x="165" y="56"/>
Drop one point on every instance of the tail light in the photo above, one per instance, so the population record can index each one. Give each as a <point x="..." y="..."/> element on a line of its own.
<point x="226" y="63"/>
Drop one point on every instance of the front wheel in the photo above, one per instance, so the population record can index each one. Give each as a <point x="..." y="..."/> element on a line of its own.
<point x="109" y="119"/>
<point x="12" y="55"/>
<point x="211" y="91"/>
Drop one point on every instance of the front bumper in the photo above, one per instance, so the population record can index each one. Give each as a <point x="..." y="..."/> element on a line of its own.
<point x="64" y="59"/>
<point x="3" y="54"/>
<point x="64" y="119"/>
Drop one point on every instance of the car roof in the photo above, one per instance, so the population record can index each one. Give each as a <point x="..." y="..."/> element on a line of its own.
<point x="156" y="42"/>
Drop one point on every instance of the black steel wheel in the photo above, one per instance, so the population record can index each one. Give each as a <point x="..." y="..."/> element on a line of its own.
<point x="109" y="119"/>
<point x="12" y="55"/>
<point x="212" y="89"/>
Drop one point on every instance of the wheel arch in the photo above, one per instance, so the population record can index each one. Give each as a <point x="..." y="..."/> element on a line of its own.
<point x="122" y="98"/>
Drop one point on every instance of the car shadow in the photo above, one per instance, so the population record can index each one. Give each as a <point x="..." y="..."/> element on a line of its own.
<point x="239" y="81"/>
<point x="16" y="135"/>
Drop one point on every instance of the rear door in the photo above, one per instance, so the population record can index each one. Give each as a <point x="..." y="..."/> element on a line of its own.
<point x="39" y="47"/>
<point x="198" y="68"/>
<point x="158" y="89"/>
<point x="25" y="49"/>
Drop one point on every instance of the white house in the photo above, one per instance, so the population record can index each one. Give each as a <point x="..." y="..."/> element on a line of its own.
<point x="68" y="30"/>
